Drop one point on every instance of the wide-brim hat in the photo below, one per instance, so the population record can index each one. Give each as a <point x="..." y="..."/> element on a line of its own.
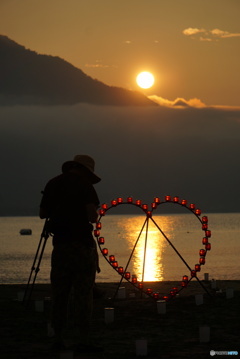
<point x="79" y="161"/>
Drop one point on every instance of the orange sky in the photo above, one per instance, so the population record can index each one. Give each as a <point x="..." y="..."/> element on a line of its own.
<point x="191" y="46"/>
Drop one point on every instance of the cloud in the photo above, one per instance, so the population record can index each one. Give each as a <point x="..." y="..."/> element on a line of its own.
<point x="178" y="102"/>
<point x="208" y="35"/>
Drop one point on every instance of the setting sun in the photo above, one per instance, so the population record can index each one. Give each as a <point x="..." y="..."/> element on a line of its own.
<point x="145" y="80"/>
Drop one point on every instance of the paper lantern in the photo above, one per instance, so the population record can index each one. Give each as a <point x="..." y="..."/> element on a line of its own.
<point x="184" y="202"/>
<point x="129" y="200"/>
<point x="156" y="295"/>
<point x="119" y="200"/>
<point x="140" y="285"/>
<point x="120" y="270"/>
<point x="154" y="205"/>
<point x="197" y="267"/>
<point x="193" y="273"/>
<point x="204" y="226"/>
<point x="185" y="278"/>
<point x="208" y="246"/>
<point x="101" y="240"/>
<point x="113" y="202"/>
<point x="202" y="260"/>
<point x="149" y="291"/>
<point x="167" y="198"/>
<point x="204" y="240"/>
<point x="184" y="283"/>
<point x="96" y="233"/>
<point x="114" y="264"/>
<point x="98" y="225"/>
<point x="112" y="258"/>
<point x="138" y="202"/>
<point x="134" y="279"/>
<point x="192" y="206"/>
<point x="202" y="252"/>
<point x="127" y="275"/>
<point x="105" y="251"/>
<point x="101" y="212"/>
<point x="144" y="207"/>
<point x="104" y="206"/>
<point x="157" y="200"/>
<point x="176" y="199"/>
<point x="198" y="212"/>
<point x="205" y="219"/>
<point x="208" y="233"/>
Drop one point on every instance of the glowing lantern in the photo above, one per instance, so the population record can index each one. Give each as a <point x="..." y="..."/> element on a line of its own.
<point x="202" y="260"/>
<point x="156" y="295"/>
<point x="101" y="212"/>
<point x="166" y="297"/>
<point x="204" y="226"/>
<point x="120" y="270"/>
<point x="138" y="202"/>
<point x="193" y="273"/>
<point x="185" y="278"/>
<point x="105" y="251"/>
<point x="115" y="264"/>
<point x="140" y="285"/>
<point x="127" y="275"/>
<point x="192" y="206"/>
<point x="154" y="205"/>
<point x="96" y="233"/>
<point x="176" y="199"/>
<point x="197" y="267"/>
<point x="119" y="200"/>
<point x="134" y="279"/>
<point x="104" y="206"/>
<point x="111" y="258"/>
<point x="129" y="200"/>
<point x="208" y="246"/>
<point x="113" y="202"/>
<point x="184" y="283"/>
<point x="198" y="212"/>
<point x="167" y="198"/>
<point x="149" y="291"/>
<point x="172" y="293"/>
<point x="205" y="219"/>
<point x="157" y="200"/>
<point x="98" y="225"/>
<point x="208" y="233"/>
<point x="101" y="240"/>
<point x="184" y="202"/>
<point x="175" y="289"/>
<point x="204" y="240"/>
<point x="145" y="207"/>
<point x="202" y="252"/>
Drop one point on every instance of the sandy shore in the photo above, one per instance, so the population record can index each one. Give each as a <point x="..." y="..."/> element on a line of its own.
<point x="24" y="332"/>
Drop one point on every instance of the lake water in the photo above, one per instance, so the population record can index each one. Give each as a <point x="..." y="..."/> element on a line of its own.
<point x="153" y="258"/>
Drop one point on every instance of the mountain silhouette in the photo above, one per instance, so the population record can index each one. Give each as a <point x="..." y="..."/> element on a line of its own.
<point x="29" y="78"/>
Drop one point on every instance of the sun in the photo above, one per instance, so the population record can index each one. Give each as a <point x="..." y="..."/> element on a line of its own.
<point x="145" y="80"/>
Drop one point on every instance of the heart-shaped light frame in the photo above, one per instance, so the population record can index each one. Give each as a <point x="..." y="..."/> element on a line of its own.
<point x="148" y="212"/>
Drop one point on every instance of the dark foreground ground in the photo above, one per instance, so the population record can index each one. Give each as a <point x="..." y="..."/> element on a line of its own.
<point x="24" y="333"/>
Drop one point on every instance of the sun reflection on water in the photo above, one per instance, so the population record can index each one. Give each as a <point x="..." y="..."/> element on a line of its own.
<point x="147" y="265"/>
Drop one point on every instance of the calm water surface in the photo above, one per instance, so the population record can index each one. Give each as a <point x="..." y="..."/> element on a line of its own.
<point x="153" y="258"/>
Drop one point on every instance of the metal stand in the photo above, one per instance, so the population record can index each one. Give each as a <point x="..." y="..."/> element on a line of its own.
<point x="37" y="260"/>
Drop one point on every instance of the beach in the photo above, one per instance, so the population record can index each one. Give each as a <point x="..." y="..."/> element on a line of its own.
<point x="175" y="334"/>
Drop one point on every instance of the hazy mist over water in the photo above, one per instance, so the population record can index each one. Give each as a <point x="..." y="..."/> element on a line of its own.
<point x="142" y="152"/>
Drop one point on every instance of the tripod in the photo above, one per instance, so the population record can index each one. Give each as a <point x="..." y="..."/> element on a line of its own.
<point x="37" y="260"/>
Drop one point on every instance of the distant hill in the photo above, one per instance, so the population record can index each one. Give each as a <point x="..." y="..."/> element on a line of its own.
<point x="28" y="78"/>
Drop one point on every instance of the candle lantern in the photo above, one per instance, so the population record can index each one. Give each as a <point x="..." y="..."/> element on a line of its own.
<point x="185" y="278"/>
<point x="205" y="219"/>
<point x="208" y="233"/>
<point x="140" y="285"/>
<point x="202" y="260"/>
<point x="129" y="200"/>
<point x="156" y="295"/>
<point x="98" y="225"/>
<point x="175" y="199"/>
<point x="149" y="214"/>
<point x="192" y="206"/>
<point x="119" y="200"/>
<point x="184" y="202"/>
<point x="166" y="298"/>
<point x="115" y="264"/>
<point x="127" y="275"/>
<point x="120" y="270"/>
<point x="113" y="202"/>
<point x="101" y="240"/>
<point x="198" y="212"/>
<point x="104" y="206"/>
<point x="184" y="283"/>
<point x="193" y="273"/>
<point x="154" y="205"/>
<point x="101" y="212"/>
<point x="145" y="207"/>
<point x="208" y="246"/>
<point x="138" y="202"/>
<point x="96" y="233"/>
<point x="204" y="240"/>
<point x="105" y="251"/>
<point x="204" y="226"/>
<point x="112" y="258"/>
<point x="172" y="292"/>
<point x="197" y="267"/>
<point x="202" y="252"/>
<point x="149" y="291"/>
<point x="167" y="198"/>
<point x="175" y="289"/>
<point x="157" y="200"/>
<point x="134" y="278"/>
